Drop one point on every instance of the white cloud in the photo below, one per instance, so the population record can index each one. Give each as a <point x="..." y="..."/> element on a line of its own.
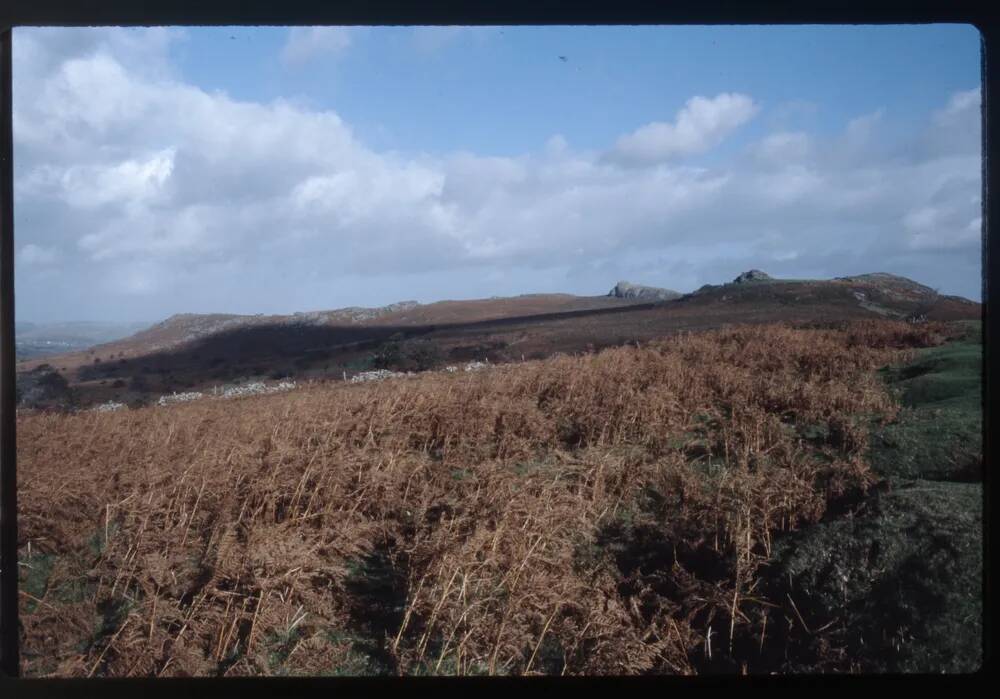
<point x="129" y="182"/>
<point x="702" y="124"/>
<point x="308" y="43"/>
<point x="180" y="200"/>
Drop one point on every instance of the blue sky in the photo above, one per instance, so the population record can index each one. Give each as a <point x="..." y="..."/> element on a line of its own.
<point x="504" y="90"/>
<point x="161" y="171"/>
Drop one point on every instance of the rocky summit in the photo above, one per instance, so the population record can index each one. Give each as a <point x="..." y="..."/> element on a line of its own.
<point x="753" y="275"/>
<point x="627" y="290"/>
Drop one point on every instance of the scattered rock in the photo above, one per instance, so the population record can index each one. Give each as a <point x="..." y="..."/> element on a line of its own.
<point x="179" y="398"/>
<point x="256" y="388"/>
<point x="376" y="375"/>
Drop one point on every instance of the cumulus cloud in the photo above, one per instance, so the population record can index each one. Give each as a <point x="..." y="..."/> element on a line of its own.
<point x="307" y="43"/>
<point x="160" y="197"/>
<point x="700" y="125"/>
<point x="128" y="182"/>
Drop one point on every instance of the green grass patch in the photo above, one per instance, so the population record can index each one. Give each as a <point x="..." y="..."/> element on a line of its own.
<point x="938" y="433"/>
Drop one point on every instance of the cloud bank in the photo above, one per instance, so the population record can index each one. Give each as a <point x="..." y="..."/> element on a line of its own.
<point x="138" y="195"/>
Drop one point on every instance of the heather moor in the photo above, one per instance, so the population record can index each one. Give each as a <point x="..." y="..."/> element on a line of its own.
<point x="504" y="351"/>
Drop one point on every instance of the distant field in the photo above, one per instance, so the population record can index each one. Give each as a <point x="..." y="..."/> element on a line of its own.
<point x="618" y="512"/>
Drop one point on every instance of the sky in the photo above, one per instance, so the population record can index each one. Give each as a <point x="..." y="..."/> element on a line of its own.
<point x="275" y="169"/>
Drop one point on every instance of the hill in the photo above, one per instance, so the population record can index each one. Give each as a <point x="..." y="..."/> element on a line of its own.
<point x="201" y="352"/>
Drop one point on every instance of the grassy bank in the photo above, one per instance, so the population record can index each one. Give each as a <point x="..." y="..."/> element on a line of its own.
<point x="939" y="432"/>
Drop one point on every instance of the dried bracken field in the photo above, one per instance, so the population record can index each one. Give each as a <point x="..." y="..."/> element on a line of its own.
<point x="598" y="514"/>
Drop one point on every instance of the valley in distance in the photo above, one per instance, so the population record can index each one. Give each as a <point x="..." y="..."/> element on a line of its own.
<point x="762" y="476"/>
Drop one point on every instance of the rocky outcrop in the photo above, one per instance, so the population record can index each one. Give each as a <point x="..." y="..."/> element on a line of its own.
<point x="753" y="275"/>
<point x="627" y="290"/>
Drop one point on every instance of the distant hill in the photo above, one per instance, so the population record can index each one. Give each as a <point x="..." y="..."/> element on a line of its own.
<point x="198" y="351"/>
<point x="187" y="327"/>
<point x="877" y="294"/>
<point x="881" y="293"/>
